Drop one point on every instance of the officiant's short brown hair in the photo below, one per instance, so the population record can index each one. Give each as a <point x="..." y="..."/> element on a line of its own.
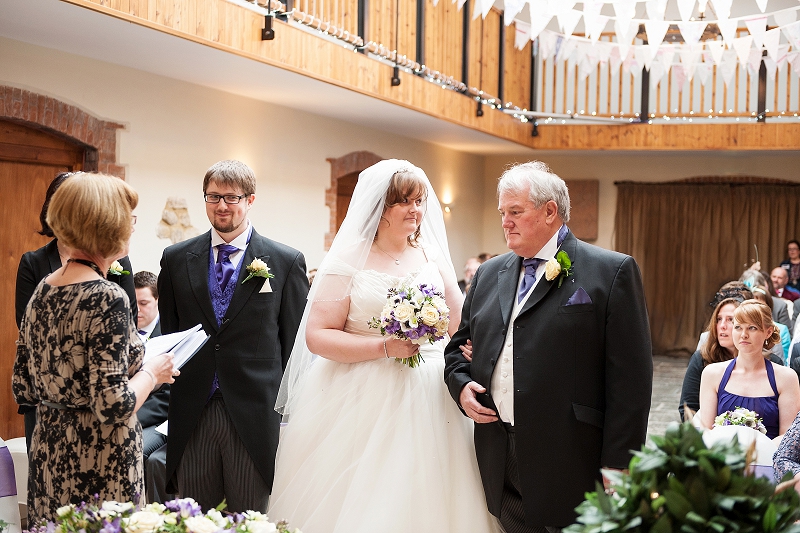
<point x="92" y="213"/>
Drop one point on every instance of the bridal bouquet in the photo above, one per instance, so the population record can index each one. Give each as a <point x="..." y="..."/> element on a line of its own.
<point x="417" y="313"/>
<point x="176" y="516"/>
<point x="741" y="417"/>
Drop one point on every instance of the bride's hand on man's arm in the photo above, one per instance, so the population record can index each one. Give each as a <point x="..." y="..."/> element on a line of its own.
<point x="466" y="350"/>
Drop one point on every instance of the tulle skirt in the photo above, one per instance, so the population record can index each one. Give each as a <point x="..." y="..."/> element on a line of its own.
<point x="379" y="447"/>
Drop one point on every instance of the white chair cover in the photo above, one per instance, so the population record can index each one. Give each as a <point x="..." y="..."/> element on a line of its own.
<point x="9" y="503"/>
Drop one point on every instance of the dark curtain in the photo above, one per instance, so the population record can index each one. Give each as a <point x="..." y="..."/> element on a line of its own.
<point x="691" y="238"/>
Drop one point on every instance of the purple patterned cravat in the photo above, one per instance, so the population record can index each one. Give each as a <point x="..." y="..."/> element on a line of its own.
<point x="529" y="278"/>
<point x="224" y="268"/>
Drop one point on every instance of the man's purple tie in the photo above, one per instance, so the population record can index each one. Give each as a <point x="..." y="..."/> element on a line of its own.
<point x="224" y="268"/>
<point x="530" y="276"/>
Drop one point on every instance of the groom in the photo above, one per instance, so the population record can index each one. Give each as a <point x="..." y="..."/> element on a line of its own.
<point x="223" y="430"/>
<point x="561" y="374"/>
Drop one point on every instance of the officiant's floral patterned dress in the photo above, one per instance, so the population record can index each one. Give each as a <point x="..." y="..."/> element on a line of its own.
<point x="77" y="347"/>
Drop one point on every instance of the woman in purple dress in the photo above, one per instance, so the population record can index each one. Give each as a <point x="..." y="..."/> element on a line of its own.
<point x="750" y="380"/>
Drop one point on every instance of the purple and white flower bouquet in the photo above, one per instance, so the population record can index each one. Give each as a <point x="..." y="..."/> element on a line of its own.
<point x="177" y="516"/>
<point x="741" y="417"/>
<point x="416" y="313"/>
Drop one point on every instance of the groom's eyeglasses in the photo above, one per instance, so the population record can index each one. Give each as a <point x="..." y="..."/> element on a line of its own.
<point x="229" y="198"/>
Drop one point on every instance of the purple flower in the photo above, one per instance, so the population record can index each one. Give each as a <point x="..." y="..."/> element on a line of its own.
<point x="111" y="527"/>
<point x="184" y="507"/>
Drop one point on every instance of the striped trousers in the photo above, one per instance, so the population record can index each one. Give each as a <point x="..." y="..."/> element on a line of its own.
<point x="512" y="512"/>
<point x="216" y="466"/>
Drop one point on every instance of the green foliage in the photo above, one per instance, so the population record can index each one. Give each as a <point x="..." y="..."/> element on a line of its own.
<point x="680" y="485"/>
<point x="3" y="525"/>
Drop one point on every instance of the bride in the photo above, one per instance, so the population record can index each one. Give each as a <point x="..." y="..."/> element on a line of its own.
<point x="372" y="444"/>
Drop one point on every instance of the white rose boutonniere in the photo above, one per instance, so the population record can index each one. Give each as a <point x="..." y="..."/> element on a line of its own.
<point x="559" y="266"/>
<point x="116" y="270"/>
<point x="257" y="268"/>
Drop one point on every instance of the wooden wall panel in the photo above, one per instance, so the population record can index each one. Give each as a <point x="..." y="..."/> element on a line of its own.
<point x="484" y="52"/>
<point x="382" y="25"/>
<point x="516" y="72"/>
<point x="443" y="37"/>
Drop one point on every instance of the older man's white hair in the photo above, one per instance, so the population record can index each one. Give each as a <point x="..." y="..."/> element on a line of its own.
<point x="539" y="182"/>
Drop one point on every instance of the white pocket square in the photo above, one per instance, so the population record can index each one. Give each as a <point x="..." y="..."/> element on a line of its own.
<point x="266" y="287"/>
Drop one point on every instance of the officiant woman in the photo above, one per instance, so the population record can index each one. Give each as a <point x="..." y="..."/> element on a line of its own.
<point x="79" y="359"/>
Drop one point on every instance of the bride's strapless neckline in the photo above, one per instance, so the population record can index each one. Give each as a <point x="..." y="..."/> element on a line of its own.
<point x="413" y="273"/>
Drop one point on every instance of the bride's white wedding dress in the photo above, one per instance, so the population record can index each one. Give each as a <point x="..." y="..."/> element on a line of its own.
<point x="377" y="446"/>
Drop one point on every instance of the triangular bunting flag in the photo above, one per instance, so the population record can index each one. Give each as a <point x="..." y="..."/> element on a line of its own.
<point x="567" y="20"/>
<point x="784" y="18"/>
<point x="685" y="8"/>
<point x="728" y="66"/>
<point x="461" y="4"/>
<point x="625" y="9"/>
<point x="727" y="28"/>
<point x="722" y="8"/>
<point x="762" y="5"/>
<point x="771" y="66"/>
<point x="614" y="60"/>
<point x="742" y="46"/>
<point x="642" y="55"/>
<point x="679" y="77"/>
<point x="772" y="39"/>
<point x="522" y="34"/>
<point x="656" y="73"/>
<point x="656" y="30"/>
<point x="716" y="48"/>
<point x="703" y="71"/>
<point x="604" y="51"/>
<point x="783" y="52"/>
<point x="539" y="22"/>
<point x="667" y="55"/>
<point x="565" y="50"/>
<point x="625" y="35"/>
<point x="596" y="30"/>
<point x="689" y="57"/>
<point x="792" y="33"/>
<point x="655" y="9"/>
<point x="511" y="9"/>
<point x="547" y="44"/>
<point x="757" y="27"/>
<point x="692" y="31"/>
<point x="754" y="61"/>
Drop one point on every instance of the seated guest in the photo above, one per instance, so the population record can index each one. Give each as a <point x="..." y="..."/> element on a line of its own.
<point x="79" y="358"/>
<point x="792" y="264"/>
<point x="787" y="456"/>
<point x="35" y="265"/>
<point x="750" y="380"/>
<point x="780" y="280"/>
<point x="156" y="408"/>
<point x="716" y="344"/>
<point x="786" y="338"/>
<point x="780" y="311"/>
<point x="470" y="268"/>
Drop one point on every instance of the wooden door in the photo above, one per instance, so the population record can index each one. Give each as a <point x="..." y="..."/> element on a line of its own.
<point x="29" y="160"/>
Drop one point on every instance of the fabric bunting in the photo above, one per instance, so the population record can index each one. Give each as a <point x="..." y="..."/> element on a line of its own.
<point x="716" y="48"/>
<point x="757" y="27"/>
<point x="522" y="34"/>
<point x="771" y="42"/>
<point x="742" y="46"/>
<point x="567" y="20"/>
<point x="692" y="31"/>
<point x="685" y="8"/>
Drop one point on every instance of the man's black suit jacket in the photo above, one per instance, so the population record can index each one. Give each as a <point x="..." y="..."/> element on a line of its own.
<point x="582" y="376"/>
<point x="248" y="351"/>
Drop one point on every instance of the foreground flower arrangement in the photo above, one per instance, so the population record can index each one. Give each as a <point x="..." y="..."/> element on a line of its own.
<point x="176" y="516"/>
<point x="741" y="417"/>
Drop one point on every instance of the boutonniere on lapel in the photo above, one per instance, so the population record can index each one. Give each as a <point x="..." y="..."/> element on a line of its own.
<point x="559" y="267"/>
<point x="116" y="270"/>
<point x="259" y="269"/>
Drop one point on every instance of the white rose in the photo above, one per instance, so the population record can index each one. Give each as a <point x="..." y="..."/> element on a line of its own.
<point x="144" y="522"/>
<point x="552" y="269"/>
<point x="439" y="302"/>
<point x="258" y="264"/>
<point x="261" y="526"/>
<point x="404" y="312"/>
<point x="116" y="267"/>
<point x="200" y="524"/>
<point x="64" y="511"/>
<point x="441" y="326"/>
<point x="218" y="519"/>
<point x="429" y="314"/>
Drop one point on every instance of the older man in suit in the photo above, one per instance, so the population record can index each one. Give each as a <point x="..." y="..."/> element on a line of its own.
<point x="223" y="430"/>
<point x="561" y="373"/>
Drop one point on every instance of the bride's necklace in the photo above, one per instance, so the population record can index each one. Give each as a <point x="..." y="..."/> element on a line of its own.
<point x="396" y="259"/>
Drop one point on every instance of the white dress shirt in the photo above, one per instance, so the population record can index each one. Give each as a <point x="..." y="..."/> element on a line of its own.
<point x="503" y="375"/>
<point x="240" y="242"/>
<point x="148" y="329"/>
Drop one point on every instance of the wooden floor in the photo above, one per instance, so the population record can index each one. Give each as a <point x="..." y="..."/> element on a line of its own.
<point x="667" y="381"/>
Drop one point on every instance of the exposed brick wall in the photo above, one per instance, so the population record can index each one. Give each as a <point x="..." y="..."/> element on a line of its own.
<point x="67" y="121"/>
<point x="342" y="166"/>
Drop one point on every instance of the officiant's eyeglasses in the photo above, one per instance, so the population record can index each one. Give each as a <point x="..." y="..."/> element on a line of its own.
<point x="229" y="198"/>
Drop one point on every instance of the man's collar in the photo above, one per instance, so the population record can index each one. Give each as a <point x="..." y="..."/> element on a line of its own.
<point x="240" y="242"/>
<point x="551" y="247"/>
<point x="151" y="326"/>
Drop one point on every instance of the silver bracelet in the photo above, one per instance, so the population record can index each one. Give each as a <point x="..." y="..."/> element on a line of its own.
<point x="152" y="376"/>
<point x="384" y="349"/>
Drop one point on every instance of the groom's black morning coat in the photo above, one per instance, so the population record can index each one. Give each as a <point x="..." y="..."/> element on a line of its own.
<point x="582" y="376"/>
<point x="248" y="351"/>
